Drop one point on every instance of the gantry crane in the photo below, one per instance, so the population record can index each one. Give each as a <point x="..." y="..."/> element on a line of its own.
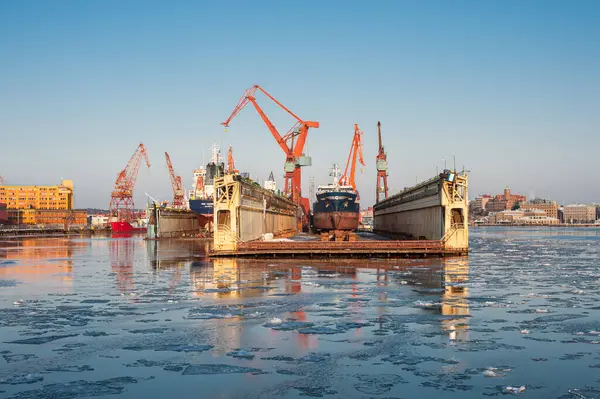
<point x="292" y="144"/>
<point x="355" y="148"/>
<point x="382" y="167"/>
<point x="231" y="162"/>
<point x="178" y="193"/>
<point x="121" y="199"/>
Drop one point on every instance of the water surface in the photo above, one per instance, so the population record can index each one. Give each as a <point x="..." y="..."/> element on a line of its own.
<point x="129" y="318"/>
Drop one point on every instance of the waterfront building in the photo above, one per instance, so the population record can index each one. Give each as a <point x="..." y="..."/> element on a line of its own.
<point x="481" y="201"/>
<point x="504" y="201"/>
<point x="578" y="213"/>
<point x="48" y="218"/>
<point x="3" y="214"/>
<point x="522" y="217"/>
<point x="98" y="220"/>
<point x="549" y="207"/>
<point x="38" y="197"/>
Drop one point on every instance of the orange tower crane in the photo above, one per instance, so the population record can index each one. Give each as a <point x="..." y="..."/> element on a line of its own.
<point x="231" y="162"/>
<point x="121" y="199"/>
<point x="199" y="185"/>
<point x="178" y="193"/>
<point x="382" y="167"/>
<point x="355" y="148"/>
<point x="292" y="144"/>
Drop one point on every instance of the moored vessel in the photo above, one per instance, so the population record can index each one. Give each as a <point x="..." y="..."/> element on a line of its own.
<point x="123" y="226"/>
<point x="337" y="206"/>
<point x="202" y="195"/>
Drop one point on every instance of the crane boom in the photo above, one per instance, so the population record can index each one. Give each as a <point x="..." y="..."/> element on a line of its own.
<point x="292" y="143"/>
<point x="355" y="149"/>
<point x="178" y="193"/>
<point x="121" y="202"/>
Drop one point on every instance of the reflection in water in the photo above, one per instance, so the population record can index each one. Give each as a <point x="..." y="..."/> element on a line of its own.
<point x="40" y="259"/>
<point x="241" y="279"/>
<point x="121" y="262"/>
<point x="455" y="297"/>
<point x="176" y="255"/>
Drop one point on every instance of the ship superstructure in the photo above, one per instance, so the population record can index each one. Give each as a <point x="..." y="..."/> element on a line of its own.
<point x="202" y="194"/>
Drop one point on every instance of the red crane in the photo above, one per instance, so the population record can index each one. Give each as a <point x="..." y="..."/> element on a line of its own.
<point x="231" y="162"/>
<point x="121" y="199"/>
<point x="292" y="144"/>
<point x="178" y="193"/>
<point x="382" y="167"/>
<point x="356" y="148"/>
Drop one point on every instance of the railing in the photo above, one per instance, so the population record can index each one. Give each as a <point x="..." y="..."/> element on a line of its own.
<point x="225" y="238"/>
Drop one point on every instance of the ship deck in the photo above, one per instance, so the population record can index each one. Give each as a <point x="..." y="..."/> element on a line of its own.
<point x="370" y="246"/>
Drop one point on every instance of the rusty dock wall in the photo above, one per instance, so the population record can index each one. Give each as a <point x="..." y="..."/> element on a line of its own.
<point x="341" y="249"/>
<point x="170" y="223"/>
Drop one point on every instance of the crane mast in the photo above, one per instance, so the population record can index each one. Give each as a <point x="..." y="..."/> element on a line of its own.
<point x="178" y="193"/>
<point x="231" y="162"/>
<point x="292" y="143"/>
<point x="121" y="199"/>
<point x="382" y="167"/>
<point x="355" y="149"/>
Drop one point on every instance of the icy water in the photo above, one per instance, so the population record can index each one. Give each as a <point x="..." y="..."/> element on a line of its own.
<point x="127" y="318"/>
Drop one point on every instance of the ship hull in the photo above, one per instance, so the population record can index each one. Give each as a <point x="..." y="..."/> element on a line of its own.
<point x="204" y="210"/>
<point x="336" y="211"/>
<point x="125" y="227"/>
<point x="204" y="207"/>
<point x="324" y="221"/>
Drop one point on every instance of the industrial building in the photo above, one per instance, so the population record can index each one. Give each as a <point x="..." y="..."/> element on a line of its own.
<point x="48" y="206"/>
<point x="38" y="197"/>
<point x="48" y="217"/>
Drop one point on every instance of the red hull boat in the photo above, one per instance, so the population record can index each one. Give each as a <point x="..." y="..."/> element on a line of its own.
<point x="125" y="227"/>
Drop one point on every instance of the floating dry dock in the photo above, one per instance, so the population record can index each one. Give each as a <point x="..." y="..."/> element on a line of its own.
<point x="431" y="213"/>
<point x="341" y="249"/>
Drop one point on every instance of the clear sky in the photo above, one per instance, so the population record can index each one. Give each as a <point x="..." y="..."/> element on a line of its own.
<point x="511" y="87"/>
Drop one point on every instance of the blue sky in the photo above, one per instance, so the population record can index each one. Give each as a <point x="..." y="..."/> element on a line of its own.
<point x="512" y="88"/>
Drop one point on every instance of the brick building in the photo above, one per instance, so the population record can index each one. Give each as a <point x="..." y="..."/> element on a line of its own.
<point x="505" y="201"/>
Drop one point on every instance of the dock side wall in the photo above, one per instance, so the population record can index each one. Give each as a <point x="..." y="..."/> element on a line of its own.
<point x="249" y="212"/>
<point x="422" y="218"/>
<point x="434" y="210"/>
<point x="177" y="224"/>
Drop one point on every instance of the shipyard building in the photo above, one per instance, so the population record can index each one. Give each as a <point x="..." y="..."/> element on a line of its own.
<point x="41" y="205"/>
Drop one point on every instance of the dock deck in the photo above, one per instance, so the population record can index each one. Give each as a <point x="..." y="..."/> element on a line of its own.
<point x="343" y="249"/>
